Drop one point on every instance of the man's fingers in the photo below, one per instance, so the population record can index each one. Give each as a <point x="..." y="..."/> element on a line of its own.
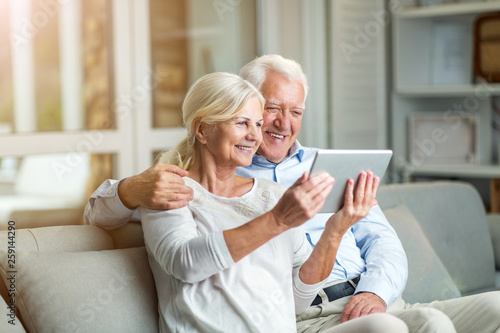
<point x="354" y="309"/>
<point x="347" y="312"/>
<point x="366" y="309"/>
<point x="175" y="204"/>
<point x="179" y="197"/>
<point x="362" y="304"/>
<point x="171" y="200"/>
<point x="183" y="189"/>
<point x="173" y="168"/>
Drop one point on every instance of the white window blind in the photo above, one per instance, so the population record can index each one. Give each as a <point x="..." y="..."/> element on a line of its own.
<point x="358" y="71"/>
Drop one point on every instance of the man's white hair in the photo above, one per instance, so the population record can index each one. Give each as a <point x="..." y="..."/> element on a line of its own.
<point x="256" y="70"/>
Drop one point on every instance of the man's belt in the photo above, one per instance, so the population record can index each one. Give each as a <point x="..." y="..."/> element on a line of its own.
<point x="336" y="290"/>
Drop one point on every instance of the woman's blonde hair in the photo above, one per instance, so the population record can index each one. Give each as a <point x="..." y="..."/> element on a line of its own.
<point x="213" y="98"/>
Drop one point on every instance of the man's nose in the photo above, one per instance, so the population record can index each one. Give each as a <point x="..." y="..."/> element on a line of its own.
<point x="282" y="120"/>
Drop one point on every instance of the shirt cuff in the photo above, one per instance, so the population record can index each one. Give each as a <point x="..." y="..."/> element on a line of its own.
<point x="377" y="286"/>
<point x="109" y="190"/>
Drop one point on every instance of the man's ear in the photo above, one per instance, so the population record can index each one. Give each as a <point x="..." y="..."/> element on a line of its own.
<point x="200" y="131"/>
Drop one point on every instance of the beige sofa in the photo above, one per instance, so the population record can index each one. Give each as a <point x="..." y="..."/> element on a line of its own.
<point x="86" y="279"/>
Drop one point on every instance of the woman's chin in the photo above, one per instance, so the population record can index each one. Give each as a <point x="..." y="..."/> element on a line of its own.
<point x="244" y="163"/>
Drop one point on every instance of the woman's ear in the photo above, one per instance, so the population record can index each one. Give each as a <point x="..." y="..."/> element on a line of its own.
<point x="200" y="131"/>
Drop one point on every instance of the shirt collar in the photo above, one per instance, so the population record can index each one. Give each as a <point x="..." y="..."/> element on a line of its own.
<point x="295" y="150"/>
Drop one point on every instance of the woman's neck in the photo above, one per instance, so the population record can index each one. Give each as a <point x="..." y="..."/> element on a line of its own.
<point x="215" y="178"/>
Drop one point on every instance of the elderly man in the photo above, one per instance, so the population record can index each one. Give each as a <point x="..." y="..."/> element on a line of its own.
<point x="370" y="271"/>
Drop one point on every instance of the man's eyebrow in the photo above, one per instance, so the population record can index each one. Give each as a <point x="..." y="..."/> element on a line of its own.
<point x="274" y="102"/>
<point x="280" y="104"/>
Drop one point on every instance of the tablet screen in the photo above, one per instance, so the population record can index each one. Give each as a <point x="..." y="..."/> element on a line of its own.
<point x="347" y="164"/>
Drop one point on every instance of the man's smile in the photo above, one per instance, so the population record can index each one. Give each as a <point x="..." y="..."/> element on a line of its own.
<point x="275" y="135"/>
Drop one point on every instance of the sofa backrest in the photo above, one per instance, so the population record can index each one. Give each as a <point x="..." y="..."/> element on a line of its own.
<point x="74" y="278"/>
<point x="452" y="216"/>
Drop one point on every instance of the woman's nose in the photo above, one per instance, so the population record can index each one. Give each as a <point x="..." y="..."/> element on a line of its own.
<point x="254" y="133"/>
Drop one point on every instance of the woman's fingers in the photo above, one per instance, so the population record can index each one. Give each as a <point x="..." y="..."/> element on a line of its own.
<point x="368" y="195"/>
<point x="316" y="190"/>
<point x="305" y="198"/>
<point x="366" y="190"/>
<point x="349" y="193"/>
<point x="360" y="188"/>
<point x="376" y="181"/>
<point x="315" y="186"/>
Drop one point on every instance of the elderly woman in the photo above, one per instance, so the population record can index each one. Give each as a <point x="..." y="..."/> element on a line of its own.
<point x="232" y="261"/>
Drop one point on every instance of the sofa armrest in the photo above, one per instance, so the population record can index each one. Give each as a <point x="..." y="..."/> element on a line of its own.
<point x="70" y="238"/>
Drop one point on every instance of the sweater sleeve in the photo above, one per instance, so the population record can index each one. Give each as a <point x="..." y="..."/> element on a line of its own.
<point x="303" y="293"/>
<point x="172" y="239"/>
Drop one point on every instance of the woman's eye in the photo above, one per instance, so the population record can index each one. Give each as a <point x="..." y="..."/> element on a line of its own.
<point x="259" y="125"/>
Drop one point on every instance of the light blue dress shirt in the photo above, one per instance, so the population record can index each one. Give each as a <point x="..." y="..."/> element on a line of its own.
<point x="370" y="248"/>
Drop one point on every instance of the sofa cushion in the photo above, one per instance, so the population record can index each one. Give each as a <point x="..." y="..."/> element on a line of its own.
<point x="94" y="291"/>
<point x="428" y="279"/>
<point x="453" y="218"/>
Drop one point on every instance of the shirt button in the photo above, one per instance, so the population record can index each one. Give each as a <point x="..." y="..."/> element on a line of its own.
<point x="261" y="159"/>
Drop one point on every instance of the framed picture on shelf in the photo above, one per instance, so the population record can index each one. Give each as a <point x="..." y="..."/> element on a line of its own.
<point x="487" y="47"/>
<point x="440" y="138"/>
<point x="450" y="64"/>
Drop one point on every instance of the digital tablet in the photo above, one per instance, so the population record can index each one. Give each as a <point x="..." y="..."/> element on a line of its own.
<point x="345" y="164"/>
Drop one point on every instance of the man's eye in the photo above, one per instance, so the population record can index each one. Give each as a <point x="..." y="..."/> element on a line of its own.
<point x="297" y="113"/>
<point x="272" y="109"/>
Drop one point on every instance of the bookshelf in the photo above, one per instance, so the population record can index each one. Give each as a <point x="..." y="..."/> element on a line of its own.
<point x="426" y="42"/>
